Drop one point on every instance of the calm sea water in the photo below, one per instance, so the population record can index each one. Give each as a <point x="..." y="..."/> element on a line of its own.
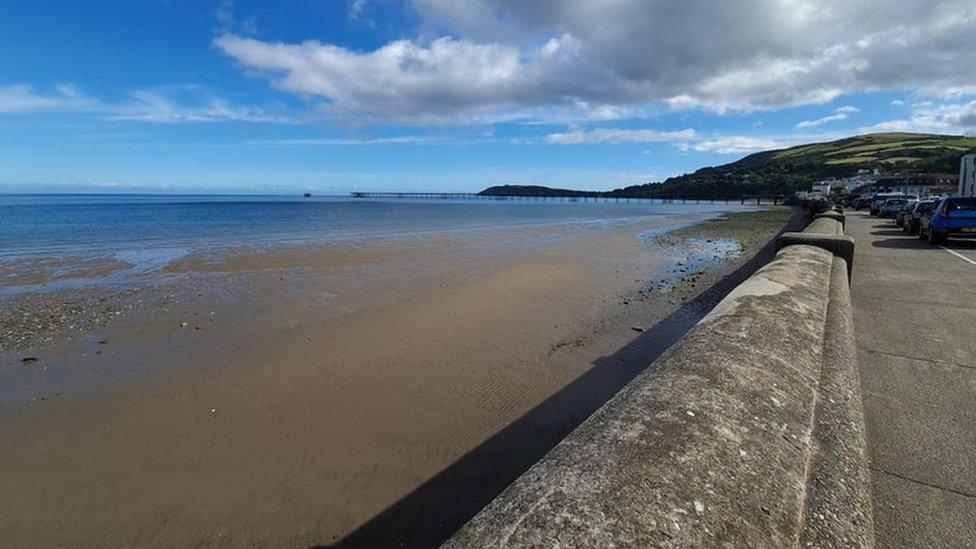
<point x="34" y="224"/>
<point x="147" y="231"/>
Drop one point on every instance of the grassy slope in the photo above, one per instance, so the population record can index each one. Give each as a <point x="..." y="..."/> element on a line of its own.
<point x="787" y="170"/>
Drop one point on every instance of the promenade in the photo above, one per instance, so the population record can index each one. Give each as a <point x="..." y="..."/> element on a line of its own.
<point x="915" y="325"/>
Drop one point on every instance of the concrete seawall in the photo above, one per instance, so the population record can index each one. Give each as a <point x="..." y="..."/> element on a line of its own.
<point x="748" y="431"/>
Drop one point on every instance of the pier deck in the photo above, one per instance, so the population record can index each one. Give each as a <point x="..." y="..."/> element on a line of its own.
<point x="758" y="200"/>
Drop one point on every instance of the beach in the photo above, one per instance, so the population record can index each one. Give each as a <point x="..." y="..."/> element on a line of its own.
<point x="316" y="393"/>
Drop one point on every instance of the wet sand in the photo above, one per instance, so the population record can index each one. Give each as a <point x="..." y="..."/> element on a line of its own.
<point x="294" y="396"/>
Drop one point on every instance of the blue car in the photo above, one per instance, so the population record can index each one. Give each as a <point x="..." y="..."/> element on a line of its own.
<point x="953" y="217"/>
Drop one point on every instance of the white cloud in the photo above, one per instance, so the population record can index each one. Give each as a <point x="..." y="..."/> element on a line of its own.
<point x="928" y="117"/>
<point x="612" y="135"/>
<point x="401" y="80"/>
<point x="897" y="103"/>
<point x="356" y="9"/>
<point x="159" y="106"/>
<point x="326" y="142"/>
<point x="497" y="58"/>
<point x="738" y="144"/>
<point x="686" y="140"/>
<point x="23" y="99"/>
<point x="170" y="105"/>
<point x="842" y="113"/>
<point x="229" y="22"/>
<point x="821" y="121"/>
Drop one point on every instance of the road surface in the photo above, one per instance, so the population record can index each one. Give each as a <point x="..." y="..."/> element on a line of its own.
<point x="915" y="324"/>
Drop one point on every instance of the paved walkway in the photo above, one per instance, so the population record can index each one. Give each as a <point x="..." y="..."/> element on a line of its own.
<point x="915" y="323"/>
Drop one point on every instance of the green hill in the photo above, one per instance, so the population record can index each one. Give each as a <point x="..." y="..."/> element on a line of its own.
<point x="785" y="171"/>
<point x="530" y="190"/>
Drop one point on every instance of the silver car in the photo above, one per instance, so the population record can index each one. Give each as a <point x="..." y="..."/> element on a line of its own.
<point x="890" y="207"/>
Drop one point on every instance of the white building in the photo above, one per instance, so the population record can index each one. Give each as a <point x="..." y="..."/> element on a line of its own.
<point x="860" y="180"/>
<point x="967" y="175"/>
<point x="821" y="187"/>
<point x="826" y="185"/>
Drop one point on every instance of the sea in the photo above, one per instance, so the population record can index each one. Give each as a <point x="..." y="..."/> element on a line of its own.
<point x="148" y="231"/>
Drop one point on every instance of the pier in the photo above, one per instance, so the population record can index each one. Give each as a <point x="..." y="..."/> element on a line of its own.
<point x="758" y="200"/>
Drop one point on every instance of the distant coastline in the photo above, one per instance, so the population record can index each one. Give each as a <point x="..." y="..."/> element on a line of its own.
<point x="783" y="172"/>
<point x="535" y="190"/>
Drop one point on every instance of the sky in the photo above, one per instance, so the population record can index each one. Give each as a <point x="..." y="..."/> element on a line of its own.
<point x="332" y="96"/>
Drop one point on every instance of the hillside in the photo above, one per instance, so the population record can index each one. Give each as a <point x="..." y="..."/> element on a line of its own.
<point x="787" y="170"/>
<point x="784" y="171"/>
<point x="531" y="190"/>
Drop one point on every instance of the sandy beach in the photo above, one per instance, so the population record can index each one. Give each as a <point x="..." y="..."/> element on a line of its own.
<point x="349" y="393"/>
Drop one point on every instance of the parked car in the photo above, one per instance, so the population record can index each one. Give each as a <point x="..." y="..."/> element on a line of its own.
<point x="862" y="202"/>
<point x="880" y="198"/>
<point x="891" y="206"/>
<point x="904" y="212"/>
<point x="909" y="222"/>
<point x="950" y="217"/>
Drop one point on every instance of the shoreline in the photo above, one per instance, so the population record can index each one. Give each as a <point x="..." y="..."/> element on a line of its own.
<point x="89" y="292"/>
<point x="337" y="404"/>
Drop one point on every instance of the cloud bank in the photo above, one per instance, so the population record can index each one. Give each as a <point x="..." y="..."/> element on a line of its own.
<point x="476" y="58"/>
<point x="927" y="117"/>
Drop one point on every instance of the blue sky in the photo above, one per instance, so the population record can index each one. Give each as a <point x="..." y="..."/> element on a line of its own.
<point x="336" y="95"/>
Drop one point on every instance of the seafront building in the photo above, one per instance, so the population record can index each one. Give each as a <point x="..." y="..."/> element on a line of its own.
<point x="923" y="184"/>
